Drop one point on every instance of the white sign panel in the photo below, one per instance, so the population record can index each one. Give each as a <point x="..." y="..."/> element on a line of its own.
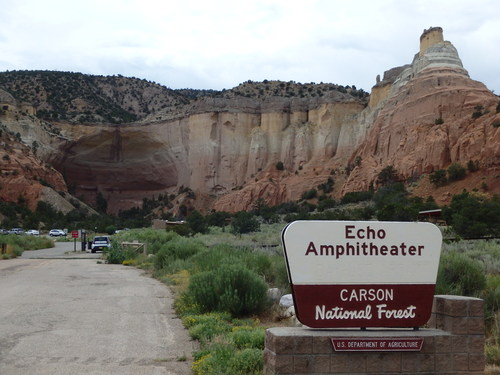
<point x="364" y="270"/>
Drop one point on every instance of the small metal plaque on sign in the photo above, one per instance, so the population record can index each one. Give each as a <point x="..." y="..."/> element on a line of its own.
<point x="377" y="344"/>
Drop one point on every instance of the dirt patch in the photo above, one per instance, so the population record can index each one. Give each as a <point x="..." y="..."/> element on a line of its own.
<point x="481" y="183"/>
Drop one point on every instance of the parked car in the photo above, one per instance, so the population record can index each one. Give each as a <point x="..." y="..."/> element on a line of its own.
<point x="16" y="231"/>
<point x="4" y="231"/>
<point x="57" y="233"/>
<point x="100" y="243"/>
<point x="33" y="232"/>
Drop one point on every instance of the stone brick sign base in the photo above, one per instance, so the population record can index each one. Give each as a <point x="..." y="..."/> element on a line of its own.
<point x="453" y="344"/>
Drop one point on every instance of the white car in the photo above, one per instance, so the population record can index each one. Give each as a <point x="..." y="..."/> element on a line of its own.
<point x="32" y="232"/>
<point x="57" y="233"/>
<point x="100" y="243"/>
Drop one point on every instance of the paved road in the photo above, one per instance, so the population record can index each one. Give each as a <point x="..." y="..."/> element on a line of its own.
<point x="76" y="316"/>
<point x="62" y="250"/>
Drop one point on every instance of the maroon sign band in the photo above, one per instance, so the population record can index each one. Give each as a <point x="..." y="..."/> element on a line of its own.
<point x="330" y="306"/>
<point x="377" y="344"/>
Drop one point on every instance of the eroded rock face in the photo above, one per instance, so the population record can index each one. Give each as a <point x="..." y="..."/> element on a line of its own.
<point x="23" y="177"/>
<point x="427" y="125"/>
<point x="212" y="153"/>
<point x="419" y="119"/>
<point x="122" y="163"/>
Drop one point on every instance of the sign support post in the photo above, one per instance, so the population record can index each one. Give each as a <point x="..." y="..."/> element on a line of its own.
<point x="74" y="235"/>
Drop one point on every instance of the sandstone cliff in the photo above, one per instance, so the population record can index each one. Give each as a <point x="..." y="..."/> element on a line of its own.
<point x="421" y="117"/>
<point x="213" y="153"/>
<point x="434" y="115"/>
<point x="25" y="141"/>
<point x="225" y="146"/>
<point x="24" y="179"/>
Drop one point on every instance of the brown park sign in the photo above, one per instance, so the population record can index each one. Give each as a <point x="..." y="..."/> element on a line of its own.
<point x="362" y="274"/>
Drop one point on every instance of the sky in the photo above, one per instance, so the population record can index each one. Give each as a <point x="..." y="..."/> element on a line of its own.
<point x="219" y="44"/>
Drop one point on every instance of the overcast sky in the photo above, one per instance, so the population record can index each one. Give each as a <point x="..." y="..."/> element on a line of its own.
<point x="219" y="44"/>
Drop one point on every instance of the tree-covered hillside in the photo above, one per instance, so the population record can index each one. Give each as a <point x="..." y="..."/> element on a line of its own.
<point x="83" y="98"/>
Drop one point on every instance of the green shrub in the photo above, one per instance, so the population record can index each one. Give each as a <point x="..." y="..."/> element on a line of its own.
<point x="472" y="166"/>
<point x="197" y="222"/>
<point x="478" y="111"/>
<point x="182" y="230"/>
<point x="224" y="359"/>
<point x="243" y="292"/>
<point x="110" y="229"/>
<point x="248" y="337"/>
<point x="460" y="275"/>
<point x="397" y="212"/>
<point x="258" y="262"/>
<point x="217" y="218"/>
<point x="394" y="204"/>
<point x="271" y="268"/>
<point x="115" y="256"/>
<point x="203" y="291"/>
<point x="169" y="268"/>
<point x="211" y="258"/>
<point x="177" y="248"/>
<point x="277" y="275"/>
<point x="154" y="238"/>
<point x="233" y="289"/>
<point x="21" y="243"/>
<point x="491" y="296"/>
<point x="456" y="172"/>
<point x="191" y="320"/>
<point x="492" y="353"/>
<point x="246" y="362"/>
<point x="287" y="208"/>
<point x="357" y="196"/>
<point x="327" y="187"/>
<point x="184" y="305"/>
<point x="244" y="222"/>
<point x="326" y="204"/>
<point x="310" y="194"/>
<point x="485" y="251"/>
<point x="473" y="216"/>
<point x="205" y="327"/>
<point x="387" y="176"/>
<point x="438" y="178"/>
<point x="215" y="361"/>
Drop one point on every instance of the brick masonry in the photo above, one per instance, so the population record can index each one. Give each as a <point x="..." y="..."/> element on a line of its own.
<point x="453" y="344"/>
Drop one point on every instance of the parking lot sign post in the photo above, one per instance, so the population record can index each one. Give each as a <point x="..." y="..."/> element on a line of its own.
<point x="74" y="235"/>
